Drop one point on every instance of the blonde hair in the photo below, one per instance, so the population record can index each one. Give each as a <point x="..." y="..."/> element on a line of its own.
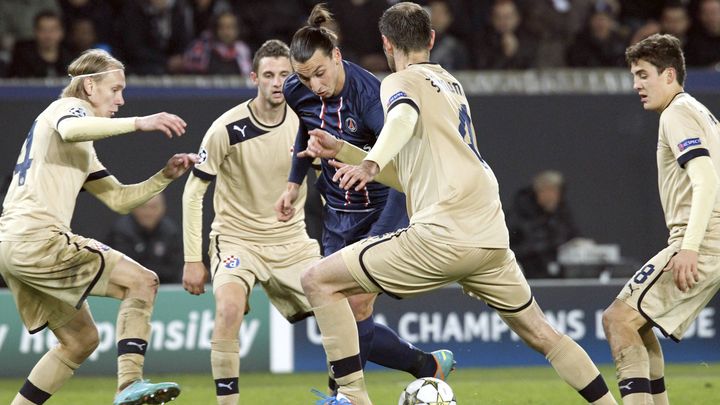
<point x="90" y="62"/>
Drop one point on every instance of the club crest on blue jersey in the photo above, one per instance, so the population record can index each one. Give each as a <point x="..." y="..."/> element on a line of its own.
<point x="231" y="262"/>
<point x="77" y="111"/>
<point x="99" y="246"/>
<point x="202" y="156"/>
<point x="688" y="143"/>
<point x="396" y="96"/>
<point x="350" y="124"/>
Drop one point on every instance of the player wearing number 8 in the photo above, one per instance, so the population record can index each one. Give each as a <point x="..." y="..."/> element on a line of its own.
<point x="457" y="229"/>
<point x="676" y="284"/>
<point x="50" y="270"/>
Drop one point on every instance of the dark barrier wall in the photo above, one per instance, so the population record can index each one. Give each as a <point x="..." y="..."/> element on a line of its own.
<point x="605" y="145"/>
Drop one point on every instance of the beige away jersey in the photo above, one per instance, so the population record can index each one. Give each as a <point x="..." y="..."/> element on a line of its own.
<point x="48" y="176"/>
<point x="687" y="130"/>
<point x="446" y="181"/>
<point x="250" y="162"/>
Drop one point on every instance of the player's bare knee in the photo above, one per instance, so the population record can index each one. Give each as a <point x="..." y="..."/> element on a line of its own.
<point x="144" y="285"/>
<point x="82" y="344"/>
<point x="228" y="312"/>
<point x="310" y="279"/>
<point x="610" y="319"/>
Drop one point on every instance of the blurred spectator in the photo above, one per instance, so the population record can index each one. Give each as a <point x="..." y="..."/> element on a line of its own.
<point x="360" y="40"/>
<point x="539" y="222"/>
<point x="506" y="45"/>
<point x="674" y="20"/>
<point x="554" y="23"/>
<point x="16" y="22"/>
<point x="43" y="56"/>
<point x="600" y="43"/>
<point x="219" y="51"/>
<point x="703" y="46"/>
<point x="97" y="11"/>
<point x="82" y="36"/>
<point x="148" y="236"/>
<point x="636" y="13"/>
<point x="155" y="34"/>
<point x="650" y="27"/>
<point x="448" y="50"/>
<point x="203" y="13"/>
<point x="272" y="19"/>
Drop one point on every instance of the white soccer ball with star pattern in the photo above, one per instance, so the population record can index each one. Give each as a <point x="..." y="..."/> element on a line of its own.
<point x="427" y="391"/>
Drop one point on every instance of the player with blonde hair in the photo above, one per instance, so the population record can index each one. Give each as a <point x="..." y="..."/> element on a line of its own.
<point x="50" y="270"/>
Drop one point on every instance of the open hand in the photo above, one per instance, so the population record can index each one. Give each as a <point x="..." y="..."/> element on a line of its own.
<point x="169" y="124"/>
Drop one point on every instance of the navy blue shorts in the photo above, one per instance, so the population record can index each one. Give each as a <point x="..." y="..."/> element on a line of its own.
<point x="342" y="228"/>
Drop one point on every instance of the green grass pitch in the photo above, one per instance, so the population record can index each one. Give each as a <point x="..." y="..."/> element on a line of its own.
<point x="695" y="384"/>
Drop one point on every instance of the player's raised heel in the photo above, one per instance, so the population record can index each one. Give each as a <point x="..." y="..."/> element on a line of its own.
<point x="340" y="399"/>
<point x="445" y="363"/>
<point x="144" y="392"/>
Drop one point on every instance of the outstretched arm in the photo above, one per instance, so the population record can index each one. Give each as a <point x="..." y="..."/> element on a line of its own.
<point x="324" y="145"/>
<point x="398" y="130"/>
<point x="79" y="129"/>
<point x="122" y="198"/>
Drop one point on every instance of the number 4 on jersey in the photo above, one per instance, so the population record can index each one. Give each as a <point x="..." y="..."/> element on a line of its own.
<point x="22" y="167"/>
<point x="466" y="132"/>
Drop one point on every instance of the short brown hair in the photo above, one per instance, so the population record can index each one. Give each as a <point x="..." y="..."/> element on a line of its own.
<point x="661" y="51"/>
<point x="273" y="48"/>
<point x="407" y="26"/>
<point x="315" y="35"/>
<point x="89" y="62"/>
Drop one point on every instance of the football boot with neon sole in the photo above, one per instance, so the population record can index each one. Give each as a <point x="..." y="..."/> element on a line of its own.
<point x="339" y="399"/>
<point x="445" y="361"/>
<point x="144" y="392"/>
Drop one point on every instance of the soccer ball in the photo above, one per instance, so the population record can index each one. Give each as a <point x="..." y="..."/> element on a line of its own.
<point x="427" y="391"/>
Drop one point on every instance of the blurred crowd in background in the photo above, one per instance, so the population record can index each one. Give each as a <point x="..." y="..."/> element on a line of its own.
<point x="38" y="38"/>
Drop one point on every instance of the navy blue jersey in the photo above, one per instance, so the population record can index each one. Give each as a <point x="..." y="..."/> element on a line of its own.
<point x="355" y="116"/>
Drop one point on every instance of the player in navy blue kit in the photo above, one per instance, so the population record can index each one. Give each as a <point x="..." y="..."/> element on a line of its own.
<point x="337" y="96"/>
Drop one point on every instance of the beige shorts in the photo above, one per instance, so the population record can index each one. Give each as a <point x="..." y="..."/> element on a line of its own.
<point x="411" y="261"/>
<point x="276" y="268"/>
<point x="50" y="279"/>
<point x="653" y="293"/>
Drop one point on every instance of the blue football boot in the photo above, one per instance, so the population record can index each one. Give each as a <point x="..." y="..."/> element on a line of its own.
<point x="144" y="392"/>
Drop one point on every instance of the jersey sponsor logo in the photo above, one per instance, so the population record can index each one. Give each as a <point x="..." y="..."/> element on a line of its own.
<point x="243" y="130"/>
<point x="202" y="156"/>
<point x="350" y="124"/>
<point x="77" y="111"/>
<point x="688" y="143"/>
<point x="395" y="97"/>
<point x="231" y="262"/>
